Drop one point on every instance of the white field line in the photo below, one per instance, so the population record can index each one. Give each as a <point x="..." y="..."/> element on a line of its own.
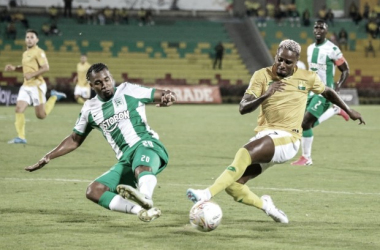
<point x="204" y="186"/>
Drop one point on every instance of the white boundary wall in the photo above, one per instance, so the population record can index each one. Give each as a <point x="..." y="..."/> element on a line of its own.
<point x="213" y="5"/>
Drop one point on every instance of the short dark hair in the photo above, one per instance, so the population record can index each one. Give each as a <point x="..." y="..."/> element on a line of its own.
<point x="32" y="31"/>
<point x="322" y="21"/>
<point x="97" y="67"/>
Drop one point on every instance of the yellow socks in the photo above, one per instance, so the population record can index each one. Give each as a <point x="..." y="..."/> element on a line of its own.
<point x="20" y="125"/>
<point x="233" y="172"/>
<point x="80" y="100"/>
<point x="49" y="105"/>
<point x="242" y="193"/>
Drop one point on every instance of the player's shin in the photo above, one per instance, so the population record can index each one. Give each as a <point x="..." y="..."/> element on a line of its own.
<point x="49" y="105"/>
<point x="233" y="172"/>
<point x="115" y="202"/>
<point x="241" y="193"/>
<point x="20" y="125"/>
<point x="307" y="142"/>
<point x="147" y="182"/>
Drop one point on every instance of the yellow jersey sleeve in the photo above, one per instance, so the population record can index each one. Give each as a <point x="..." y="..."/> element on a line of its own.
<point x="257" y="84"/>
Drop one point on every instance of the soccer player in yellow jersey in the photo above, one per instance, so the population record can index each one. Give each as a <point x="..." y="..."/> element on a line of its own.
<point x="82" y="91"/>
<point x="281" y="93"/>
<point x="33" y="90"/>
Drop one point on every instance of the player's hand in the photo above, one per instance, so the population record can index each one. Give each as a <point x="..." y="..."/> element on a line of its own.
<point x="9" y="67"/>
<point x="355" y="115"/>
<point x="167" y="100"/>
<point x="41" y="163"/>
<point x="275" y="86"/>
<point x="28" y="76"/>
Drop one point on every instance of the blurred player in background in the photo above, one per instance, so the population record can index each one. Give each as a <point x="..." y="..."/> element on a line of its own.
<point x="33" y="90"/>
<point x="82" y="91"/>
<point x="281" y="93"/>
<point x="322" y="56"/>
<point x="119" y="112"/>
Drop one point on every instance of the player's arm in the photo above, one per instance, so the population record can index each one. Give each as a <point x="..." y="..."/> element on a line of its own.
<point x="44" y="68"/>
<point x="333" y="97"/>
<point x="69" y="144"/>
<point x="164" y="98"/>
<point x="10" y="67"/>
<point x="345" y="70"/>
<point x="250" y="102"/>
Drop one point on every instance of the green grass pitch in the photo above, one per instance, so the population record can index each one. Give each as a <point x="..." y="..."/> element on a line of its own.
<point x="333" y="204"/>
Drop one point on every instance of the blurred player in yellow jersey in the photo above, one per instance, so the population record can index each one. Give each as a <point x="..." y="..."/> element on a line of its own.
<point x="33" y="90"/>
<point x="281" y="93"/>
<point x="82" y="91"/>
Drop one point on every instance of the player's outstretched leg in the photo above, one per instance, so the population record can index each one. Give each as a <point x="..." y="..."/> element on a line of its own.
<point x="149" y="215"/>
<point x="270" y="209"/>
<point x="130" y="193"/>
<point x="196" y="195"/>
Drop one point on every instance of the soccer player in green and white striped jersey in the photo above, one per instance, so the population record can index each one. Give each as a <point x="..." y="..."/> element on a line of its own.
<point x="119" y="113"/>
<point x="322" y="57"/>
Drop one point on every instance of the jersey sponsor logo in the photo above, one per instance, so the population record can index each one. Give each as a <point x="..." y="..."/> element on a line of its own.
<point x="301" y="85"/>
<point x="317" y="66"/>
<point x="118" y="101"/>
<point x="111" y="123"/>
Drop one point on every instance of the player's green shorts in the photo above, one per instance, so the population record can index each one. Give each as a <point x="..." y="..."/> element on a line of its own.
<point x="149" y="153"/>
<point x="317" y="105"/>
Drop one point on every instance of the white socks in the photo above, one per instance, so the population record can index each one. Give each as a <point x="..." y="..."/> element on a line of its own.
<point x="146" y="184"/>
<point x="328" y="114"/>
<point x="120" y="204"/>
<point x="307" y="142"/>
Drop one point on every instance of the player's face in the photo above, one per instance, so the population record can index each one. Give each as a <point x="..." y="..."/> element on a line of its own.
<point x="285" y="61"/>
<point x="103" y="84"/>
<point x="30" y="39"/>
<point x="320" y="31"/>
<point x="83" y="59"/>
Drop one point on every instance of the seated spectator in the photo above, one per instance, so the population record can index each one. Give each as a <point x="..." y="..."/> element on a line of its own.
<point x="11" y="31"/>
<point x="80" y="14"/>
<point x="90" y="15"/>
<point x="142" y="16"/>
<point x="45" y="29"/>
<point x="370" y="49"/>
<point x="366" y="10"/>
<point x="54" y="29"/>
<point x="5" y="16"/>
<point x="329" y="17"/>
<point x="278" y="15"/>
<point x="149" y="17"/>
<point x="124" y="15"/>
<point x="18" y="16"/>
<point x="115" y="16"/>
<point x="306" y="18"/>
<point x="357" y="17"/>
<point x="262" y="18"/>
<point x="322" y="13"/>
<point x="343" y="39"/>
<point x="108" y="15"/>
<point x="101" y="17"/>
<point x="270" y="8"/>
<point x="353" y="10"/>
<point x="372" y="28"/>
<point x="293" y="15"/>
<point x="53" y="13"/>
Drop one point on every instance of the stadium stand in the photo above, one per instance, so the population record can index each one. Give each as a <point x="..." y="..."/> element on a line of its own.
<point x="171" y="52"/>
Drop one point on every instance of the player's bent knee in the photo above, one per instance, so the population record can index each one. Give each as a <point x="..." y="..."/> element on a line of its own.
<point x="95" y="190"/>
